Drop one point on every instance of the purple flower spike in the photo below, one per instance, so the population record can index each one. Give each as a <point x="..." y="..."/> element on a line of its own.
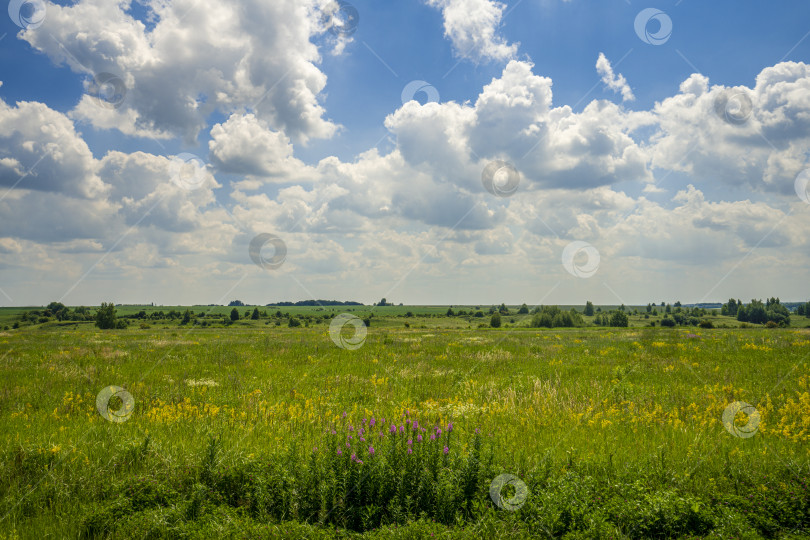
<point x="344" y="414"/>
<point x="339" y="452"/>
<point x="432" y="436"/>
<point x="354" y="457"/>
<point x="371" y="450"/>
<point x="363" y="439"/>
<point x="402" y="429"/>
<point x="348" y="445"/>
<point x="334" y="432"/>
<point x="410" y="442"/>
<point x="351" y="428"/>
<point x="438" y="432"/>
<point x="393" y="428"/>
<point x="446" y="450"/>
<point x="410" y="450"/>
<point x="450" y="427"/>
<point x="418" y="438"/>
<point x="372" y="422"/>
<point x="416" y="424"/>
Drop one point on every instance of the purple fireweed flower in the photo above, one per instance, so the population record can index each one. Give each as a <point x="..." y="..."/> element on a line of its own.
<point x="382" y="421"/>
<point x="406" y="412"/>
<point x="348" y="445"/>
<point x="432" y="436"/>
<point x="359" y="461"/>
<point x="371" y="450"/>
<point x="351" y="428"/>
<point x="339" y="452"/>
<point x="402" y="429"/>
<point x="372" y="422"/>
<point x="419" y="438"/>
<point x="410" y="442"/>
<point x="416" y="424"/>
<point x="344" y="414"/>
<point x="364" y="421"/>
<point x="361" y="431"/>
<point x="354" y="457"/>
<point x="362" y="439"/>
<point x="393" y="428"/>
<point x="446" y="450"/>
<point x="408" y="423"/>
<point x="382" y="434"/>
<point x="476" y="431"/>
<point x="438" y="432"/>
<point x="410" y="450"/>
<point x="348" y="436"/>
<point x="334" y="432"/>
<point x="450" y="427"/>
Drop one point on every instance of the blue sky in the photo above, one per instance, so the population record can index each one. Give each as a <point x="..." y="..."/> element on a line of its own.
<point x="284" y="119"/>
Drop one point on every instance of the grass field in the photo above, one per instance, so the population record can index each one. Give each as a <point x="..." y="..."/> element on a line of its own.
<point x="235" y="432"/>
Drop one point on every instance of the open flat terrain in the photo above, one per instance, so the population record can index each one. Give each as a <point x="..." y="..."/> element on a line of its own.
<point x="259" y="430"/>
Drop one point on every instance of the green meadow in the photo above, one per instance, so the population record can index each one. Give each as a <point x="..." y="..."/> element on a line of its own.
<point x="255" y="429"/>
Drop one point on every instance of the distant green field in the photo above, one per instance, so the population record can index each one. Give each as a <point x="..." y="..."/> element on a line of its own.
<point x="235" y="432"/>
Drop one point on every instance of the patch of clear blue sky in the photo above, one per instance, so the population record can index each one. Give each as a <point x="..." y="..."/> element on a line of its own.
<point x="728" y="41"/>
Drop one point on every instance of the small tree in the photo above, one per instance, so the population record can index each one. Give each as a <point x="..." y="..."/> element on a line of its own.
<point x="234" y="314"/>
<point x="450" y="312"/>
<point x="495" y="320"/>
<point x="186" y="317"/>
<point x="589" y="308"/>
<point x="255" y="315"/>
<point x="524" y="310"/>
<point x="105" y="316"/>
<point x="619" y="319"/>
